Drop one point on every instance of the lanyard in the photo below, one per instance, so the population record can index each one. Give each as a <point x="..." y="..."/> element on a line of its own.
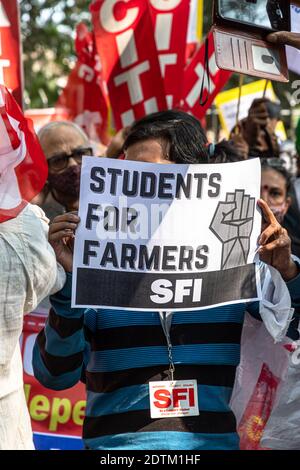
<point x="166" y="323"/>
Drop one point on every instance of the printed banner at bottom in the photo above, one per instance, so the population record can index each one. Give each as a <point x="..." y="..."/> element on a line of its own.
<point x="147" y="291"/>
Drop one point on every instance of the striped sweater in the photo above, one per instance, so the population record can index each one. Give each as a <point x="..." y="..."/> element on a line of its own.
<point x="116" y="353"/>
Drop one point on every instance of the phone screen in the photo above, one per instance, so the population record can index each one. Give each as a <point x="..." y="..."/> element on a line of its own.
<point x="267" y="14"/>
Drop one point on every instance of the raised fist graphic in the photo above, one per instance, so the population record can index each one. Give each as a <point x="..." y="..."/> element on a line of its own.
<point x="232" y="224"/>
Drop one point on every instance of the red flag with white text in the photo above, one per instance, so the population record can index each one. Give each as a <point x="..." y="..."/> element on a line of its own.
<point x="193" y="78"/>
<point x="23" y="166"/>
<point x="170" y="22"/>
<point x="126" y="45"/>
<point x="195" y="28"/>
<point x="10" y="48"/>
<point x="84" y="98"/>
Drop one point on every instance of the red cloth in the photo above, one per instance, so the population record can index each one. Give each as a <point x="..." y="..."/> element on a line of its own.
<point x="23" y="166"/>
<point x="84" y="99"/>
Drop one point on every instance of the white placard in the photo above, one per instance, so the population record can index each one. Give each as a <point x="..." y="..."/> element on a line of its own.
<point x="166" y="237"/>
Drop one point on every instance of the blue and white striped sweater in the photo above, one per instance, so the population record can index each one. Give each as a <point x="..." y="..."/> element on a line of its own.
<point x="118" y="352"/>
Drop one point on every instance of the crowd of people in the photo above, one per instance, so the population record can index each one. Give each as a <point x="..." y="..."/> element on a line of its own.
<point x="116" y="353"/>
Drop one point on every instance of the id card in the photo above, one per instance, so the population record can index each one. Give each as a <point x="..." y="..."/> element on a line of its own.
<point x="171" y="399"/>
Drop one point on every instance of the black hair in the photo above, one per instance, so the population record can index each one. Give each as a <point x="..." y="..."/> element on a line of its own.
<point x="278" y="165"/>
<point x="225" y="152"/>
<point x="181" y="132"/>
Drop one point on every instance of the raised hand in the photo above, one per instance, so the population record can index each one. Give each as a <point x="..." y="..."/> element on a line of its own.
<point x="232" y="224"/>
<point x="256" y="124"/>
<point x="275" y="245"/>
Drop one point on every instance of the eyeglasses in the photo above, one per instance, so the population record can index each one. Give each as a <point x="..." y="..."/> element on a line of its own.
<point x="60" y="161"/>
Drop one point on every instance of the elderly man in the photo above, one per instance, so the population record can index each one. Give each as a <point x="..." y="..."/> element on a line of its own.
<point x="64" y="143"/>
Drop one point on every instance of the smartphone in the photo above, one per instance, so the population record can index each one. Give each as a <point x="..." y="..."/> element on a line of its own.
<point x="264" y="15"/>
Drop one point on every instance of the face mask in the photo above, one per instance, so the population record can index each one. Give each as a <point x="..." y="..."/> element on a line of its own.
<point x="67" y="183"/>
<point x="279" y="211"/>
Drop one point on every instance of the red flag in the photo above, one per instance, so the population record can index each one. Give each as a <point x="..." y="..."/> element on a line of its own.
<point x="192" y="36"/>
<point x="10" y="48"/>
<point x="23" y="167"/>
<point x="126" y="45"/>
<point x="84" y="97"/>
<point x="193" y="77"/>
<point x="170" y="21"/>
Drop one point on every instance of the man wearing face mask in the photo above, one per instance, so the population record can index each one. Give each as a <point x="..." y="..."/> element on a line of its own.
<point x="64" y="144"/>
<point x="257" y="131"/>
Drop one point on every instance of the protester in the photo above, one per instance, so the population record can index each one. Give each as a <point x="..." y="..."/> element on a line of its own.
<point x="27" y="262"/>
<point x="115" y="351"/>
<point x="258" y="129"/>
<point x="64" y="143"/>
<point x="267" y="379"/>
<point x="257" y="133"/>
<point x="276" y="188"/>
<point x="28" y="274"/>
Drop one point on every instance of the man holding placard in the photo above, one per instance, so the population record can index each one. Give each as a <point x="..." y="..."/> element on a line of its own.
<point x="165" y="266"/>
